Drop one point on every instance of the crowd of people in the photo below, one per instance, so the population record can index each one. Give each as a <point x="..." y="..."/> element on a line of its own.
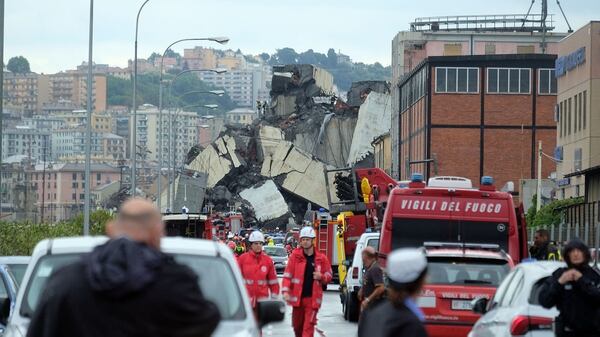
<point x="125" y="286"/>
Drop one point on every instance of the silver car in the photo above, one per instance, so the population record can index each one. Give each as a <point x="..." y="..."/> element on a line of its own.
<point x="279" y="256"/>
<point x="219" y="278"/>
<point x="514" y="310"/>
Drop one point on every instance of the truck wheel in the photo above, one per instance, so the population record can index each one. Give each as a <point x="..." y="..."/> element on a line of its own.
<point x="351" y="308"/>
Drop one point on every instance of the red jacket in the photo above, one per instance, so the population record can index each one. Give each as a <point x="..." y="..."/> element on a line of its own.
<point x="293" y="277"/>
<point x="259" y="275"/>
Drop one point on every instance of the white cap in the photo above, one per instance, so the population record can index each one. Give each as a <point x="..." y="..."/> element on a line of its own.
<point x="256" y="236"/>
<point x="406" y="265"/>
<point x="307" y="232"/>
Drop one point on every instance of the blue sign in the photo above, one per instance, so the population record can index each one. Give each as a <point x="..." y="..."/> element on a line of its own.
<point x="563" y="182"/>
<point x="569" y="62"/>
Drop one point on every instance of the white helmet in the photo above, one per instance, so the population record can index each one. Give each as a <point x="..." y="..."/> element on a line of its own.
<point x="256" y="236"/>
<point x="307" y="232"/>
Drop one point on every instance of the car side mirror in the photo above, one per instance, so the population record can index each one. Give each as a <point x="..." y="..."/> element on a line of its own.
<point x="270" y="311"/>
<point x="4" y="310"/>
<point x="479" y="305"/>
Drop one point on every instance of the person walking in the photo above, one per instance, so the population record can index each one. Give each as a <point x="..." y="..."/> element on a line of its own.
<point x="125" y="288"/>
<point x="258" y="271"/>
<point x="373" y="288"/>
<point x="399" y="315"/>
<point x="307" y="272"/>
<point x="542" y="249"/>
<point x="575" y="291"/>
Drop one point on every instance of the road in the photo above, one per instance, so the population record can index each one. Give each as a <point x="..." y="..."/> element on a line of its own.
<point x="330" y="319"/>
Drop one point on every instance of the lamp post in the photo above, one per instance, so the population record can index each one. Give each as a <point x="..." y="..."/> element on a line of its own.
<point x="174" y="147"/>
<point x="134" y="112"/>
<point x="213" y="92"/>
<point x="221" y="40"/>
<point x="88" y="129"/>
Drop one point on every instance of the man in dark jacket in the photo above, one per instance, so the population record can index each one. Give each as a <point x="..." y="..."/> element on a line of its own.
<point x="575" y="291"/>
<point x="126" y="287"/>
<point x="542" y="249"/>
<point x="399" y="315"/>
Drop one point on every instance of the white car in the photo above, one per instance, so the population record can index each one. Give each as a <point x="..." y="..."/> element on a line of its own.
<point x="514" y="310"/>
<point x="219" y="279"/>
<point x="17" y="265"/>
<point x="353" y="282"/>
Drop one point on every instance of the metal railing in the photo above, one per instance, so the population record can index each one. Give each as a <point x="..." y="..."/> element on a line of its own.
<point x="505" y="22"/>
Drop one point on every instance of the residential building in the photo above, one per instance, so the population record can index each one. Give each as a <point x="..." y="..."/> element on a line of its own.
<point x="122" y="73"/>
<point x="465" y="35"/>
<point x="27" y="91"/>
<point x="578" y="114"/>
<point x="44" y="123"/>
<point x="24" y="140"/>
<point x="476" y="115"/>
<point x="200" y="58"/>
<point x="176" y="141"/>
<point x="69" y="145"/>
<point x="62" y="106"/>
<point x="244" y="87"/>
<point x="17" y="194"/>
<point x="101" y="122"/>
<point x="60" y="187"/>
<point x="243" y="116"/>
<point x="209" y="128"/>
<point x="72" y="86"/>
<point x="143" y="66"/>
<point x="168" y="63"/>
<point x="232" y="60"/>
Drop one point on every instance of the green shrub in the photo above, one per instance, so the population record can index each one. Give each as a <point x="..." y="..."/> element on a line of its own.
<point x="19" y="238"/>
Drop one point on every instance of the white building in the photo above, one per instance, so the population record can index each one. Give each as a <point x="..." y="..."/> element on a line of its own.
<point x="244" y="86"/>
<point x="25" y="140"/>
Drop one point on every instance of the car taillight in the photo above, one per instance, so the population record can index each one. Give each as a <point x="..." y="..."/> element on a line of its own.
<point x="522" y="324"/>
<point x="354" y="272"/>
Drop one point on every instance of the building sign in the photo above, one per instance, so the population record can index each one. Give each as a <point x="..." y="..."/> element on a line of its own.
<point x="569" y="62"/>
<point x="563" y="182"/>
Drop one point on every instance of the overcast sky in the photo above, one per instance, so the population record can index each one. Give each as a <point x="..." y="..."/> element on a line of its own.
<point x="53" y="35"/>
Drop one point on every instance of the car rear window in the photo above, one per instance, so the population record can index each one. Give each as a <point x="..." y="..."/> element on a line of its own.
<point x="470" y="271"/>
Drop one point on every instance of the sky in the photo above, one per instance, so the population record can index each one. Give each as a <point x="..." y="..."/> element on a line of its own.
<point x="53" y="35"/>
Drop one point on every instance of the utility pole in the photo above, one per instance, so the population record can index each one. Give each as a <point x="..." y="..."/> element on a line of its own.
<point x="539" y="178"/>
<point x="88" y="130"/>
<point x="1" y="92"/>
<point x="43" y="181"/>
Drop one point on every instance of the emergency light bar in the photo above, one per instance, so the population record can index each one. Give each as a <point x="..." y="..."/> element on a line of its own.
<point x="460" y="245"/>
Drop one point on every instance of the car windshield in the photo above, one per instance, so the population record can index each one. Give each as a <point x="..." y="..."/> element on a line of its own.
<point x="461" y="271"/>
<point x="222" y="290"/>
<point x="18" y="271"/>
<point x="275" y="251"/>
<point x="278" y="240"/>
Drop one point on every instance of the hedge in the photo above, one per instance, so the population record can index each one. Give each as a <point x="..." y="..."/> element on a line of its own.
<point x="19" y="238"/>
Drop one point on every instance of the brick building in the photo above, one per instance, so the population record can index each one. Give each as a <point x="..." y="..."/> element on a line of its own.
<point x="477" y="115"/>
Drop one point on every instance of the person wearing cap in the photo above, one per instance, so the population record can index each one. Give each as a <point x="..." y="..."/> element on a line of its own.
<point x="575" y="291"/>
<point x="305" y="275"/>
<point x="399" y="315"/>
<point x="258" y="271"/>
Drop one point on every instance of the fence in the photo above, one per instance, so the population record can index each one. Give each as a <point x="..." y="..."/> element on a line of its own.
<point x="577" y="221"/>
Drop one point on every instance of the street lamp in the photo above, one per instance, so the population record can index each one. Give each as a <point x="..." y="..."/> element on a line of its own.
<point x="88" y="129"/>
<point x="221" y="40"/>
<point x="134" y="122"/>
<point x="171" y="187"/>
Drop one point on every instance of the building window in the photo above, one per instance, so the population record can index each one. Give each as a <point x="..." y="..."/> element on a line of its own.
<point x="457" y="80"/>
<point x="569" y="116"/>
<point x="577" y="159"/>
<point x="452" y="49"/>
<point x="75" y="185"/>
<point x="81" y="196"/>
<point x="547" y="83"/>
<point x="74" y="176"/>
<point x="525" y="49"/>
<point x="577" y="191"/>
<point x="98" y="176"/>
<point x="74" y="196"/>
<point x="508" y="80"/>
<point x="490" y="49"/>
<point x="584" y="108"/>
<point x="560" y="118"/>
<point x="575" y="117"/>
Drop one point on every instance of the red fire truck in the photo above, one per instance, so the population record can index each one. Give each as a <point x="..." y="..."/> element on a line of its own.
<point x="205" y="226"/>
<point x="450" y="210"/>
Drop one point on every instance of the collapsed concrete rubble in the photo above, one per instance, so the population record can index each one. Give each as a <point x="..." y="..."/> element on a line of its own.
<point x="275" y="168"/>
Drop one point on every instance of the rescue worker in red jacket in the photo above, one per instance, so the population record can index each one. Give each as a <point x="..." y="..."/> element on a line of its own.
<point x="258" y="270"/>
<point x="305" y="275"/>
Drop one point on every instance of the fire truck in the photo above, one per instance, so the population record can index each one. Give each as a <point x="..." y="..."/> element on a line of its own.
<point x="214" y="226"/>
<point x="363" y="195"/>
<point x="449" y="209"/>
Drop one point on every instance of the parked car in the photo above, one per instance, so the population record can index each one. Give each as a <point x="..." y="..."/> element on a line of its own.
<point x="515" y="310"/>
<point x="16" y="265"/>
<point x="224" y="287"/>
<point x="279" y="256"/>
<point x="353" y="282"/>
<point x="456" y="274"/>
<point x="8" y="294"/>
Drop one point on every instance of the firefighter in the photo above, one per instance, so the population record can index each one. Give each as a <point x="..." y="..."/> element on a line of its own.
<point x="305" y="275"/>
<point x="542" y="248"/>
<point x="258" y="271"/>
<point x="239" y="248"/>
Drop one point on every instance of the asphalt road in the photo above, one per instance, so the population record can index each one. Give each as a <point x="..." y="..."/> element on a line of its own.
<point x="330" y="319"/>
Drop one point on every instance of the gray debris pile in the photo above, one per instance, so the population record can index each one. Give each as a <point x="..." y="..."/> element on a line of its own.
<point x="274" y="168"/>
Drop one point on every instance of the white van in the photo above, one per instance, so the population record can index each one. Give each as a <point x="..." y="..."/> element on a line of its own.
<point x="225" y="286"/>
<point x="353" y="282"/>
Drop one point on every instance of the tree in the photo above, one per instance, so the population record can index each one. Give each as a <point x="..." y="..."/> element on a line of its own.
<point x="19" y="65"/>
<point x="153" y="57"/>
<point x="265" y="57"/>
<point x="332" y="57"/>
<point x="285" y="56"/>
